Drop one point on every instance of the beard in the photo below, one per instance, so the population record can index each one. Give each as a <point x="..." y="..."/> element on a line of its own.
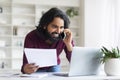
<point x="52" y="37"/>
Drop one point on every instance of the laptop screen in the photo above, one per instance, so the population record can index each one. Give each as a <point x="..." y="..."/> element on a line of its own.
<point x="84" y="61"/>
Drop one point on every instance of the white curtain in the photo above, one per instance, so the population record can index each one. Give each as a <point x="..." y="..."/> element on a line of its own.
<point x="110" y="23"/>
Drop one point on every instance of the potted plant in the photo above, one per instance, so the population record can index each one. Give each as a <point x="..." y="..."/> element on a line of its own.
<point x="111" y="58"/>
<point x="71" y="12"/>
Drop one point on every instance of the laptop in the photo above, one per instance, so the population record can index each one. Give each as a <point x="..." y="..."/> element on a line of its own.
<point x="85" y="61"/>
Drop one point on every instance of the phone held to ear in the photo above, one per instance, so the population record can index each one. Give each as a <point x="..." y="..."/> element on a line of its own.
<point x="63" y="35"/>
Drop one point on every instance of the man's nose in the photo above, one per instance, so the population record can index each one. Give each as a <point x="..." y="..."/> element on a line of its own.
<point x="58" y="30"/>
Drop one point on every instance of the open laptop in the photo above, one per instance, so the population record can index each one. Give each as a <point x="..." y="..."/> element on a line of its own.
<point x="84" y="61"/>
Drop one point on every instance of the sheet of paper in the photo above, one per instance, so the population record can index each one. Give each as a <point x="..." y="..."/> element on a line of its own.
<point x="34" y="75"/>
<point x="41" y="57"/>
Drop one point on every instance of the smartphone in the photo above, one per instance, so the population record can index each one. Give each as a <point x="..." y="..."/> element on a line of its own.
<point x="63" y="35"/>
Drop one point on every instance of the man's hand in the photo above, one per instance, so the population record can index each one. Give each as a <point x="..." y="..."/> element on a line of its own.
<point x="68" y="39"/>
<point x="30" y="68"/>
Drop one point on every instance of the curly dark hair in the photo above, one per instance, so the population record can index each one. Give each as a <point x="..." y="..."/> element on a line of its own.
<point x="48" y="17"/>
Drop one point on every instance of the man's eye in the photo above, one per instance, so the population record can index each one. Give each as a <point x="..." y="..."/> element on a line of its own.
<point x="61" y="27"/>
<point x="54" y="26"/>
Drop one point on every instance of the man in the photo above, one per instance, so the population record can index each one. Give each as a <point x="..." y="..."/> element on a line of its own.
<point x="49" y="35"/>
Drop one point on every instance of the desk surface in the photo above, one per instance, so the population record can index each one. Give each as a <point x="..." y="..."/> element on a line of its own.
<point x="61" y="77"/>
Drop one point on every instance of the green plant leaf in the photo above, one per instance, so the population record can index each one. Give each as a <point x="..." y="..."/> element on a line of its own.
<point x="109" y="53"/>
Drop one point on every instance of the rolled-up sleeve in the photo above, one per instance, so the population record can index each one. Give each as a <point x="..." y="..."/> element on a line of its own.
<point x="68" y="53"/>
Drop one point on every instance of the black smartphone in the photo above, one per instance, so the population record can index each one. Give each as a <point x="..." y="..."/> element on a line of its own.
<point x="63" y="35"/>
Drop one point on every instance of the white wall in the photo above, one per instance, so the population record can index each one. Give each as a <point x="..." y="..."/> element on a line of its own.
<point x="92" y="22"/>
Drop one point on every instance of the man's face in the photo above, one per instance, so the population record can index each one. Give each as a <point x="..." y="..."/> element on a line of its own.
<point x="56" y="27"/>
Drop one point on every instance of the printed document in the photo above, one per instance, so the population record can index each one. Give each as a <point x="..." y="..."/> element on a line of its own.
<point x="41" y="57"/>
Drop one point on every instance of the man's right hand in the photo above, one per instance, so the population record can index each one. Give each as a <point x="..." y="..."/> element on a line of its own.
<point x="30" y="68"/>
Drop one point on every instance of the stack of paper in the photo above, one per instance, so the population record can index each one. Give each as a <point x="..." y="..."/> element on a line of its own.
<point x="34" y="75"/>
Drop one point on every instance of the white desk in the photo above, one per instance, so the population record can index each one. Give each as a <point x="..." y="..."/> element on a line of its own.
<point x="53" y="77"/>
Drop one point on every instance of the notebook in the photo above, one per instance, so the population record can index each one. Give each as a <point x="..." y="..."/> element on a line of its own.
<point x="84" y="61"/>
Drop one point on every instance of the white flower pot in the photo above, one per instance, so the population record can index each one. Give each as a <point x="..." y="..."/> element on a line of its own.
<point x="112" y="67"/>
